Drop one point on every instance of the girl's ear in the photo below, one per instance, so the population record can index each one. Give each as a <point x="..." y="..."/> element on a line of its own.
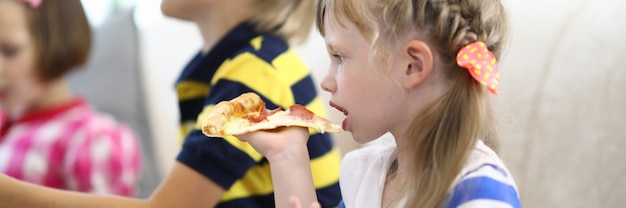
<point x="419" y="65"/>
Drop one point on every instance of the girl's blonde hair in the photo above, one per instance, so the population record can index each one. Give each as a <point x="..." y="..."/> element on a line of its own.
<point x="446" y="131"/>
<point x="289" y="19"/>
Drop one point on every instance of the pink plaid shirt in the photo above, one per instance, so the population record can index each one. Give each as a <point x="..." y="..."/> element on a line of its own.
<point x="71" y="147"/>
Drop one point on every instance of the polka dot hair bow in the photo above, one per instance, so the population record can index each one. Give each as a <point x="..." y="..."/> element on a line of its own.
<point x="33" y="3"/>
<point x="481" y="64"/>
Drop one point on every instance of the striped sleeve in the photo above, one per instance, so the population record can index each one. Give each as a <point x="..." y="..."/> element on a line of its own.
<point x="485" y="187"/>
<point x="227" y="160"/>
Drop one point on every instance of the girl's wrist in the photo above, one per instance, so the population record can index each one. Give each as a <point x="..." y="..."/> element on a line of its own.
<point x="293" y="154"/>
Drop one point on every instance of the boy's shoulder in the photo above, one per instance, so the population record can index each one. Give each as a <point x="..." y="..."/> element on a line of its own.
<point x="264" y="47"/>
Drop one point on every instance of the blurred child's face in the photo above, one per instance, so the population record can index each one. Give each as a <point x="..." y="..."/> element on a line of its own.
<point x="184" y="9"/>
<point x="196" y="10"/>
<point x="20" y="87"/>
<point x="362" y="89"/>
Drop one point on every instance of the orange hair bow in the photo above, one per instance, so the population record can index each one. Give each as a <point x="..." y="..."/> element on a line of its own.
<point x="481" y="64"/>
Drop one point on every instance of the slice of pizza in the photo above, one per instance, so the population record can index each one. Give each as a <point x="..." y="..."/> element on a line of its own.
<point x="247" y="113"/>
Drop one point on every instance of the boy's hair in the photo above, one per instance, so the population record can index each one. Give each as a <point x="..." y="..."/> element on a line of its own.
<point x="289" y="19"/>
<point x="446" y="130"/>
<point x="62" y="36"/>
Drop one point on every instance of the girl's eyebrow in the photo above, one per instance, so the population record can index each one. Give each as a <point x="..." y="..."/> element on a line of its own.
<point x="330" y="47"/>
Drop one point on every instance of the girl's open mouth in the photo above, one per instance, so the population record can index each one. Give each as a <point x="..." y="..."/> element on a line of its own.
<point x="339" y="108"/>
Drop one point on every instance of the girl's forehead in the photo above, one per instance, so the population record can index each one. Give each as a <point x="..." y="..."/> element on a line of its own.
<point x="12" y="16"/>
<point x="337" y="25"/>
<point x="335" y="33"/>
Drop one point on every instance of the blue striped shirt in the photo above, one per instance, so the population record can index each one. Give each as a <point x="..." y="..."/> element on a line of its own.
<point x="483" y="182"/>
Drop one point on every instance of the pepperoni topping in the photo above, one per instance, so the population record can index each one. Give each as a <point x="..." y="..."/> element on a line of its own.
<point x="267" y="112"/>
<point x="262" y="115"/>
<point x="301" y="112"/>
<point x="295" y="110"/>
<point x="254" y="118"/>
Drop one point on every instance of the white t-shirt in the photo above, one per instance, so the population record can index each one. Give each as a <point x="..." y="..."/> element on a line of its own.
<point x="483" y="182"/>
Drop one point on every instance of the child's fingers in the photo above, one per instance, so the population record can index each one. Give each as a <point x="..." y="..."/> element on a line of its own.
<point x="316" y="205"/>
<point x="295" y="203"/>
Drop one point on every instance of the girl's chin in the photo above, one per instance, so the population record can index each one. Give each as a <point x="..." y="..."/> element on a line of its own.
<point x="11" y="109"/>
<point x="362" y="139"/>
<point x="3" y="105"/>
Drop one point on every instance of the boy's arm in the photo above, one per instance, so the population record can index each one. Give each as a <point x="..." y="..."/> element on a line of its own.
<point x="15" y="193"/>
<point x="183" y="188"/>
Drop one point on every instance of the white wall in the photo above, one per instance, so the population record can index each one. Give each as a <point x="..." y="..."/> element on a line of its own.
<point x="165" y="47"/>
<point x="564" y="90"/>
<point x="563" y="103"/>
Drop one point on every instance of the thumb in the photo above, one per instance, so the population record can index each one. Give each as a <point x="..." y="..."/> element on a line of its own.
<point x="316" y="205"/>
<point x="294" y="202"/>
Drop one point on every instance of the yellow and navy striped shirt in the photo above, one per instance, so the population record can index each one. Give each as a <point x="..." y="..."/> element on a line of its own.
<point x="246" y="61"/>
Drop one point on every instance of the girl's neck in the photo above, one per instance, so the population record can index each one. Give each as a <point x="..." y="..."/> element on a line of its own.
<point x="398" y="175"/>
<point x="57" y="93"/>
<point x="215" y="24"/>
<point x="405" y="157"/>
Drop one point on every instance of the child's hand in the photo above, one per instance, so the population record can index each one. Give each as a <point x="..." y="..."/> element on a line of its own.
<point x="286" y="151"/>
<point x="295" y="203"/>
<point x="277" y="142"/>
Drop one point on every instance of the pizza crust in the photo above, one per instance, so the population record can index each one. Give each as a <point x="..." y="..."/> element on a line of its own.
<point x="233" y="118"/>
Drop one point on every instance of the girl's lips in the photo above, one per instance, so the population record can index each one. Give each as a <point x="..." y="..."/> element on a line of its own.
<point x="338" y="108"/>
<point x="344" y="124"/>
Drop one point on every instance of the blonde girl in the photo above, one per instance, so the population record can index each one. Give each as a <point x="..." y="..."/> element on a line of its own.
<point x="421" y="70"/>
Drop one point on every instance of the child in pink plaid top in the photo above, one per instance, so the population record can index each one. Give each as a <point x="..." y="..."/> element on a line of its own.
<point x="70" y="147"/>
<point x="48" y="136"/>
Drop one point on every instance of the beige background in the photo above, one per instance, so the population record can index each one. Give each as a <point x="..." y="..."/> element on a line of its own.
<point x="563" y="105"/>
<point x="564" y="83"/>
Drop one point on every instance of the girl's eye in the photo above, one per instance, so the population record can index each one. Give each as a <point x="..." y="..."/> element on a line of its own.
<point x="339" y="57"/>
<point x="9" y="51"/>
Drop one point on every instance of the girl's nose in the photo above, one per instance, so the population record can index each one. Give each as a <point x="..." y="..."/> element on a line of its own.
<point x="328" y="83"/>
